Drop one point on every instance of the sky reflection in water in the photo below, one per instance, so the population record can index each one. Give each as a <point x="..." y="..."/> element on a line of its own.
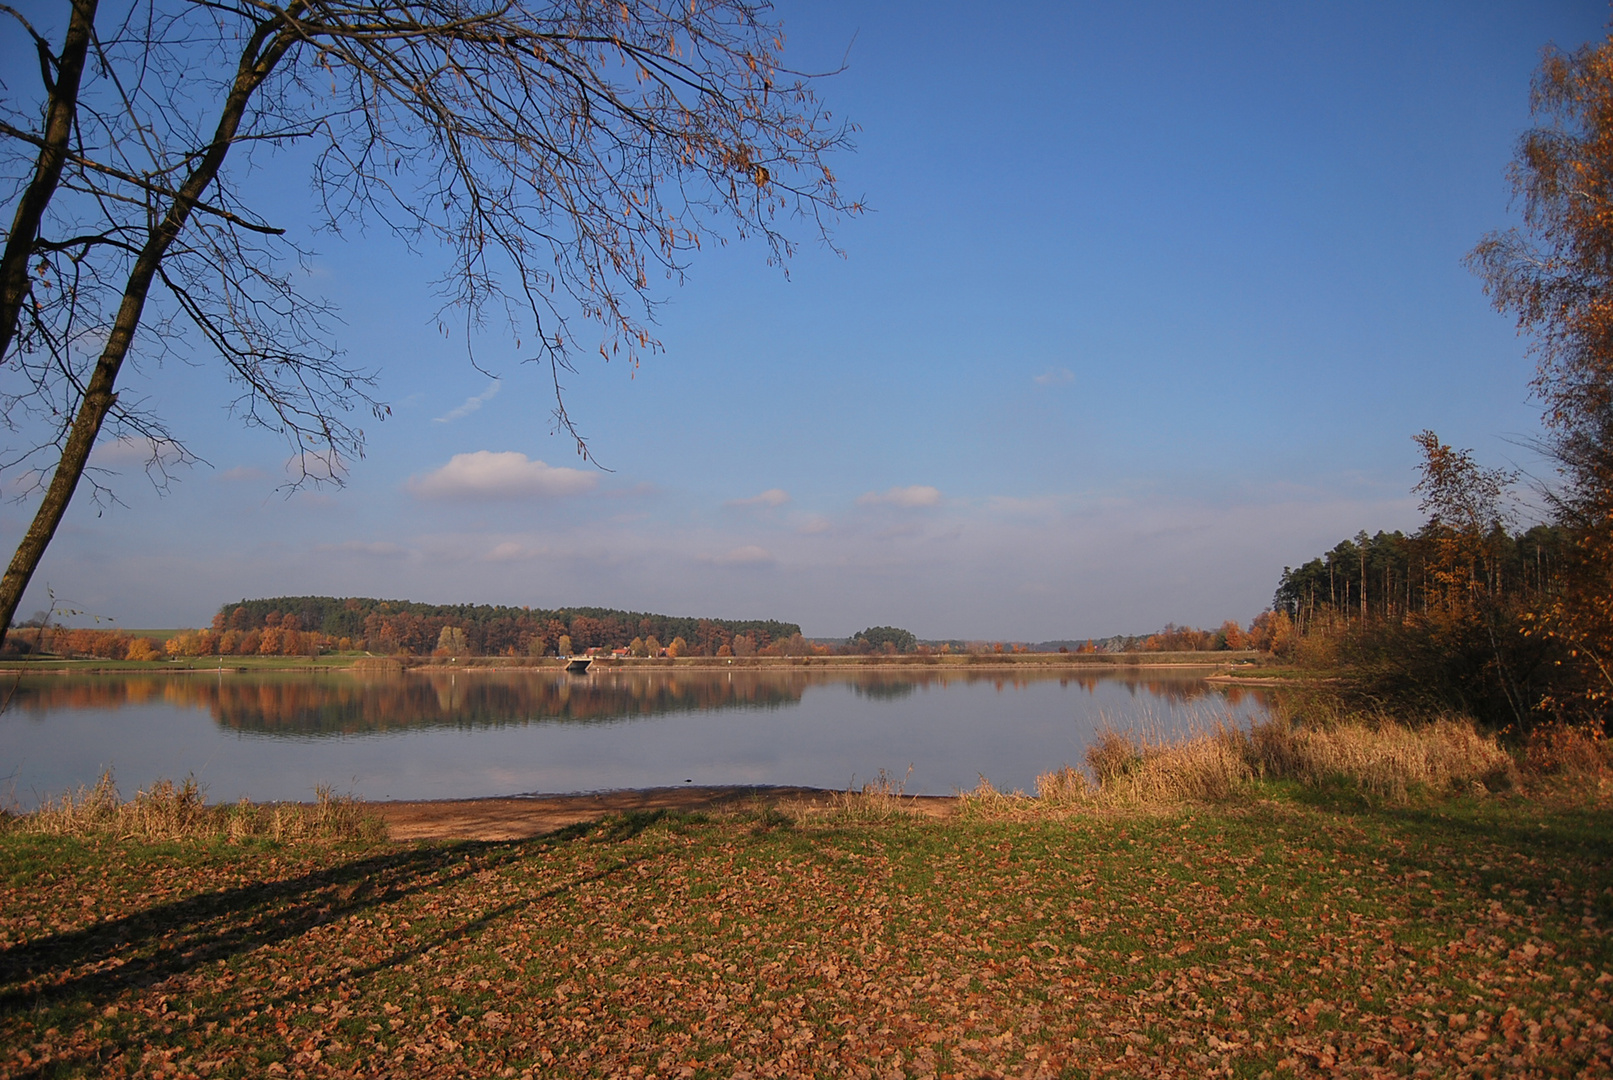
<point x="460" y="735"/>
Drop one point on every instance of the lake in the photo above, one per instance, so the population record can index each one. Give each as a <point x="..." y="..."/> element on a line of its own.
<point x="440" y="734"/>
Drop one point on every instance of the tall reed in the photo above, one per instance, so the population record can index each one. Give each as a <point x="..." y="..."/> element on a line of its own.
<point x="168" y="812"/>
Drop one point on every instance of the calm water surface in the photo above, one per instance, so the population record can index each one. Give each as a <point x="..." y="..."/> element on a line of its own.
<point x="462" y="735"/>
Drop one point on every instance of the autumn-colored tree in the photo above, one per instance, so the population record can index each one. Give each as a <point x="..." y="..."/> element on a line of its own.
<point x="563" y="645"/>
<point x="140" y="648"/>
<point x="1556" y="277"/>
<point x="1272" y="632"/>
<point x="1467" y="519"/>
<point x="678" y="648"/>
<point x="451" y="641"/>
<point x="194" y="643"/>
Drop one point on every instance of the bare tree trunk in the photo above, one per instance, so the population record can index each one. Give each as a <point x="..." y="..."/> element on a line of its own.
<point x="257" y="61"/>
<point x="1363" y="586"/>
<point x="47" y="168"/>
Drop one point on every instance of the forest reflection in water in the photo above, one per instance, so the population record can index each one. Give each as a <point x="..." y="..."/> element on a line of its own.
<point x="338" y="703"/>
<point x="443" y="734"/>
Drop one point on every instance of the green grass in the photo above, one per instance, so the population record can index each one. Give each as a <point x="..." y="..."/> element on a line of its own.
<point x="1293" y="933"/>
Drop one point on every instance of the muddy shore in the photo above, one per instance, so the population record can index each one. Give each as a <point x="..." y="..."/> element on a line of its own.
<point x="525" y="816"/>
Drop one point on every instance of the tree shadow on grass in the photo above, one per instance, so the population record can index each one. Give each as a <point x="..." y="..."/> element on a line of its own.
<point x="89" y="966"/>
<point x="1493" y="848"/>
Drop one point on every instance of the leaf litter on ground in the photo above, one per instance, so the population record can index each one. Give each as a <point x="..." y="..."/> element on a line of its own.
<point x="1286" y="936"/>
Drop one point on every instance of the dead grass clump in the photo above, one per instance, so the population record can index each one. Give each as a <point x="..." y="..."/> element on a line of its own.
<point x="1569" y="752"/>
<point x="879" y="800"/>
<point x="1064" y="788"/>
<point x="1136" y="769"/>
<point x="1114" y="756"/>
<point x="986" y="801"/>
<point x="1386" y="758"/>
<point x="1061" y="792"/>
<point x="172" y="812"/>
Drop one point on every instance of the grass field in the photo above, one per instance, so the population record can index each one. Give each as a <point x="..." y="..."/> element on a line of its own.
<point x="1291" y="931"/>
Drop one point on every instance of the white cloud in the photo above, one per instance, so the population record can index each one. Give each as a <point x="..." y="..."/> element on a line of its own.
<point x="770" y="497"/>
<point x="1034" y="505"/>
<point x="749" y="555"/>
<point x="137" y="450"/>
<point x="507" y="474"/>
<point x="376" y="548"/>
<point x="241" y="474"/>
<point x="1055" y="377"/>
<point x="814" y="525"/>
<point x="471" y="405"/>
<point x="316" y="465"/>
<point x="510" y="551"/>
<point x="907" y="497"/>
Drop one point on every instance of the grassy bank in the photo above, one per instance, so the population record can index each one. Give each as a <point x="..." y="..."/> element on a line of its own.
<point x="1289" y="928"/>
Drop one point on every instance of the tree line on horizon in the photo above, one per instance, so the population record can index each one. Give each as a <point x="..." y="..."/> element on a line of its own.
<point x="410" y="628"/>
<point x="314" y="625"/>
<point x="1388" y="576"/>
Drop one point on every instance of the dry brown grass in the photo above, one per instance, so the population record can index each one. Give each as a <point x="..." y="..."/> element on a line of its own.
<point x="1383" y="757"/>
<point x="1143" y="769"/>
<point x="168" y="812"/>
<point x="881" y="799"/>
<point x="1561" y="751"/>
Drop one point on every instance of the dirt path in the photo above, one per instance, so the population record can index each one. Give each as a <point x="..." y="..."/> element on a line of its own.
<point x="520" y="817"/>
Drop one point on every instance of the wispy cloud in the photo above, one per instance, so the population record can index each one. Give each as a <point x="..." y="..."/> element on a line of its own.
<point x="241" y="474"/>
<point x="1034" y="505"/>
<point x="511" y="551"/>
<point x="814" y="525"/>
<point x="906" y="497"/>
<point x="508" y="474"/>
<point x="749" y="555"/>
<point x="380" y="549"/>
<point x="769" y="498"/>
<point x="1055" y="377"/>
<point x="471" y="405"/>
<point x="137" y="450"/>
<point x="316" y="465"/>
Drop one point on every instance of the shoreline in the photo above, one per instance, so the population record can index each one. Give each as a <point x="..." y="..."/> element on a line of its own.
<point x="524" y="817"/>
<point x="376" y="665"/>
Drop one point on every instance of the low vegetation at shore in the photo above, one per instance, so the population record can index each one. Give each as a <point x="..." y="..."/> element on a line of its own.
<point x="178" y="812"/>
<point x="1311" y="899"/>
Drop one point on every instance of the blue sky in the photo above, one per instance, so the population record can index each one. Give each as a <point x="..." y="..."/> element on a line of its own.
<point x="1149" y="304"/>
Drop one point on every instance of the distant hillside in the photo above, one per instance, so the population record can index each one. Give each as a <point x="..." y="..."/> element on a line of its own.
<point x="403" y="625"/>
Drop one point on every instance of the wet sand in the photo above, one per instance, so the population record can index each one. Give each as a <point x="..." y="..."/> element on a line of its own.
<point x="525" y="816"/>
